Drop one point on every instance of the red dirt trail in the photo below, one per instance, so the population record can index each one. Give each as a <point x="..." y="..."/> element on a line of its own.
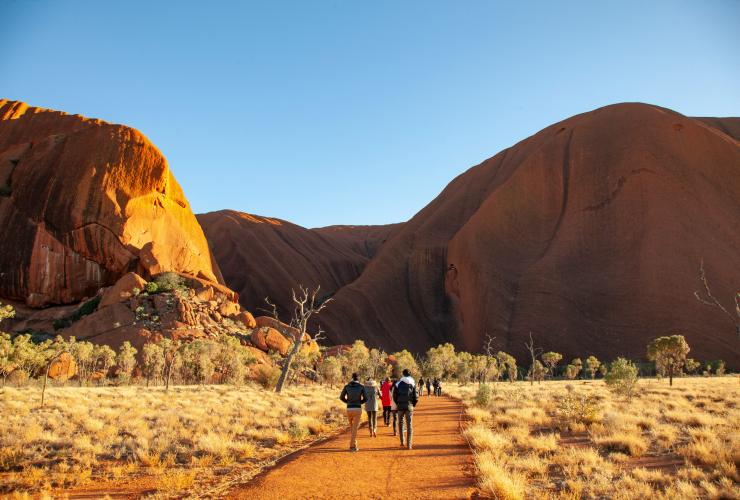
<point x="439" y="466"/>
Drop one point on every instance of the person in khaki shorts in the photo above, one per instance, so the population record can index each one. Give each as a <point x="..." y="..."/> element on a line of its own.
<point x="354" y="396"/>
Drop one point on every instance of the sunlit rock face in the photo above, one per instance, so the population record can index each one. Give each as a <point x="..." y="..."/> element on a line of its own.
<point x="589" y="234"/>
<point x="82" y="202"/>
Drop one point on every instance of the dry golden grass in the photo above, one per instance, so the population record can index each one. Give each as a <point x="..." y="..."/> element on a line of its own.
<point x="182" y="437"/>
<point x="667" y="442"/>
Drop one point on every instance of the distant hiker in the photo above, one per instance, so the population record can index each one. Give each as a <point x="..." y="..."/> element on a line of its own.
<point x="354" y="395"/>
<point x="429" y="386"/>
<point x="385" y="398"/>
<point x="436" y="386"/>
<point x="371" y="406"/>
<point x="421" y="386"/>
<point x="404" y="394"/>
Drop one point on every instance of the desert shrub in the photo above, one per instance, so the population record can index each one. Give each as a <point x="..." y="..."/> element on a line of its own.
<point x="88" y="307"/>
<point x="483" y="395"/>
<point x="576" y="408"/>
<point x="267" y="376"/>
<point x="151" y="287"/>
<point x="622" y="377"/>
<point x="168" y="282"/>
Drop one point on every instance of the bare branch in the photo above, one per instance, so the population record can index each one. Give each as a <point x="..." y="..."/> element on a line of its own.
<point x="712" y="299"/>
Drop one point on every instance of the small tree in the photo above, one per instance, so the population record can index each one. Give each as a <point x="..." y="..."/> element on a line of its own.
<point x="692" y="365"/>
<point x="507" y="362"/>
<point x="330" y="370"/>
<point x="537" y="371"/>
<point x="551" y="359"/>
<point x="622" y="377"/>
<point x="152" y="361"/>
<point x="533" y="353"/>
<point x="306" y="305"/>
<point x="720" y="370"/>
<point x="404" y="360"/>
<point x="571" y="371"/>
<point x="669" y="354"/>
<point x="578" y="364"/>
<point x="592" y="364"/>
<point x="126" y="360"/>
<point x="464" y="369"/>
<point x="171" y="352"/>
<point x="442" y="360"/>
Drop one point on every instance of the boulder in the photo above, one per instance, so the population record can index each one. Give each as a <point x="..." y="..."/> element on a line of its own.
<point x="229" y="309"/>
<point x="63" y="368"/>
<point x="101" y="322"/>
<point x="246" y="318"/>
<point x="266" y="339"/>
<point x="123" y="289"/>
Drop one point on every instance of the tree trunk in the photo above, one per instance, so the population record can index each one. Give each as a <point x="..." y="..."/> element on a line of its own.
<point x="287" y="362"/>
<point x="670" y="376"/>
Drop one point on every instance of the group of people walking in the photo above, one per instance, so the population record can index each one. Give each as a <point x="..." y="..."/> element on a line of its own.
<point x="398" y="399"/>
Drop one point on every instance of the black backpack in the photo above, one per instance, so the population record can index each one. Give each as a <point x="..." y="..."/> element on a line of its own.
<point x="403" y="395"/>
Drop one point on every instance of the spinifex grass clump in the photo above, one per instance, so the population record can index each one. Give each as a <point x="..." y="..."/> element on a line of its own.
<point x="580" y="439"/>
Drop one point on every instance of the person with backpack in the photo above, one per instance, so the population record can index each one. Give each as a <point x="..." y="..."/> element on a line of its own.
<point x="385" y="399"/>
<point x="405" y="396"/>
<point x="354" y="396"/>
<point x="429" y="387"/>
<point x="421" y="386"/>
<point x="438" y="388"/>
<point x="371" y="406"/>
<point x="435" y="384"/>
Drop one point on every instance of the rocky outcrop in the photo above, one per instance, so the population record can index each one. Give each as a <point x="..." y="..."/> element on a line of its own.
<point x="588" y="234"/>
<point x="266" y="257"/>
<point x="82" y="202"/>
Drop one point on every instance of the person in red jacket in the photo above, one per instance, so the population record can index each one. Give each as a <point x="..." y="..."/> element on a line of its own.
<point x="385" y="398"/>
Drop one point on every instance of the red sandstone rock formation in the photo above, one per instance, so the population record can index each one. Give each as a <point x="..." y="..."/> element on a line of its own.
<point x="82" y="202"/>
<point x="264" y="257"/>
<point x="587" y="234"/>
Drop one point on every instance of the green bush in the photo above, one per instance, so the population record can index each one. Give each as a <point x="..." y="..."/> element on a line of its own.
<point x="168" y="282"/>
<point x="151" y="287"/>
<point x="88" y="307"/>
<point x="483" y="396"/>
<point x="267" y="376"/>
<point x="575" y="408"/>
<point x="622" y="377"/>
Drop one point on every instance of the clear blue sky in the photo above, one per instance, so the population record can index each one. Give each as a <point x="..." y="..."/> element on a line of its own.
<point x="357" y="112"/>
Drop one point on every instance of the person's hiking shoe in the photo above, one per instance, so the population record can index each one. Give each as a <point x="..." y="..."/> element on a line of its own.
<point x="409" y="447"/>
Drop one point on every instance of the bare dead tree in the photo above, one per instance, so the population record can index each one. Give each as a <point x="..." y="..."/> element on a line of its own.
<point x="710" y="300"/>
<point x="306" y="306"/>
<point x="533" y="352"/>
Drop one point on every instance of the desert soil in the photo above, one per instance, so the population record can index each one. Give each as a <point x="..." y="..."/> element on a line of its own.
<point x="440" y="465"/>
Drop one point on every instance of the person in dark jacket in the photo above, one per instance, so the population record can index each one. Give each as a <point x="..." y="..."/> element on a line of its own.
<point x="354" y="396"/>
<point x="429" y="387"/>
<point x="405" y="397"/>
<point x="420" y="391"/>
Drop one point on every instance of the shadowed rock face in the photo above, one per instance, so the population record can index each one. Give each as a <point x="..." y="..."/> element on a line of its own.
<point x="266" y="257"/>
<point x="588" y="234"/>
<point x="81" y="203"/>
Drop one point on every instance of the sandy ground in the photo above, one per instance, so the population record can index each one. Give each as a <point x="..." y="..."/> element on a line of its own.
<point x="440" y="465"/>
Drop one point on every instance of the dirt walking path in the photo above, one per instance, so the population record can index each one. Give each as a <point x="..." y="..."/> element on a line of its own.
<point x="439" y="466"/>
